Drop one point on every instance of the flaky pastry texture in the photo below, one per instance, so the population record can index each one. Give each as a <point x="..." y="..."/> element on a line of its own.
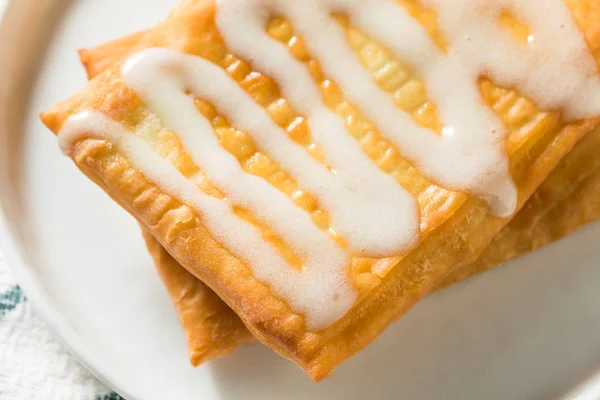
<point x="455" y="227"/>
<point x="213" y="329"/>
<point x="567" y="200"/>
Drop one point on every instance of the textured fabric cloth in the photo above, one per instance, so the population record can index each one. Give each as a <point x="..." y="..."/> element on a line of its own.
<point x="33" y="364"/>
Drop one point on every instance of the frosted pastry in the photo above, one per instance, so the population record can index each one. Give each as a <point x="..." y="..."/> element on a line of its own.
<point x="212" y="328"/>
<point x="299" y="185"/>
<point x="568" y="199"/>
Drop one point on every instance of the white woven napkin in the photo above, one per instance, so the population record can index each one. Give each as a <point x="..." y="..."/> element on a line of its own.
<point x="33" y="364"/>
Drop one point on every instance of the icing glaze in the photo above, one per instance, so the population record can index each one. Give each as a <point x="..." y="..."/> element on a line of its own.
<point x="320" y="290"/>
<point x="367" y="207"/>
<point x="159" y="76"/>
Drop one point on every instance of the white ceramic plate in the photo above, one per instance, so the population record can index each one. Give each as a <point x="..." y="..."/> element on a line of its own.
<point x="527" y="330"/>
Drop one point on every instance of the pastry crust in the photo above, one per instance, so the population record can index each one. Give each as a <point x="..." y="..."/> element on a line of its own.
<point x="457" y="231"/>
<point x="567" y="200"/>
<point x="212" y="328"/>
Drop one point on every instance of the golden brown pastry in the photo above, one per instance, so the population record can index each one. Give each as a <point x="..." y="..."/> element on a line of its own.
<point x="100" y="58"/>
<point x="566" y="208"/>
<point x="568" y="199"/>
<point x="212" y="328"/>
<point x="320" y="240"/>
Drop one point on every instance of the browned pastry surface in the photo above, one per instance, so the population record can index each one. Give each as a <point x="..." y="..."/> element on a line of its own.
<point x="568" y="199"/>
<point x="455" y="226"/>
<point x="213" y="329"/>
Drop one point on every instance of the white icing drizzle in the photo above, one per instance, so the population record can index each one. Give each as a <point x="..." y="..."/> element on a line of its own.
<point x="555" y="68"/>
<point x="470" y="156"/>
<point x="356" y="196"/>
<point x="321" y="290"/>
<point x="374" y="214"/>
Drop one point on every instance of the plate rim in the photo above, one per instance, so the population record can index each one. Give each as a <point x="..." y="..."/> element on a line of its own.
<point x="20" y="268"/>
<point x="46" y="16"/>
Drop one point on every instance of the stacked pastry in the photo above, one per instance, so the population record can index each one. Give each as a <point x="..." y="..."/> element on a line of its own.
<point x="306" y="171"/>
